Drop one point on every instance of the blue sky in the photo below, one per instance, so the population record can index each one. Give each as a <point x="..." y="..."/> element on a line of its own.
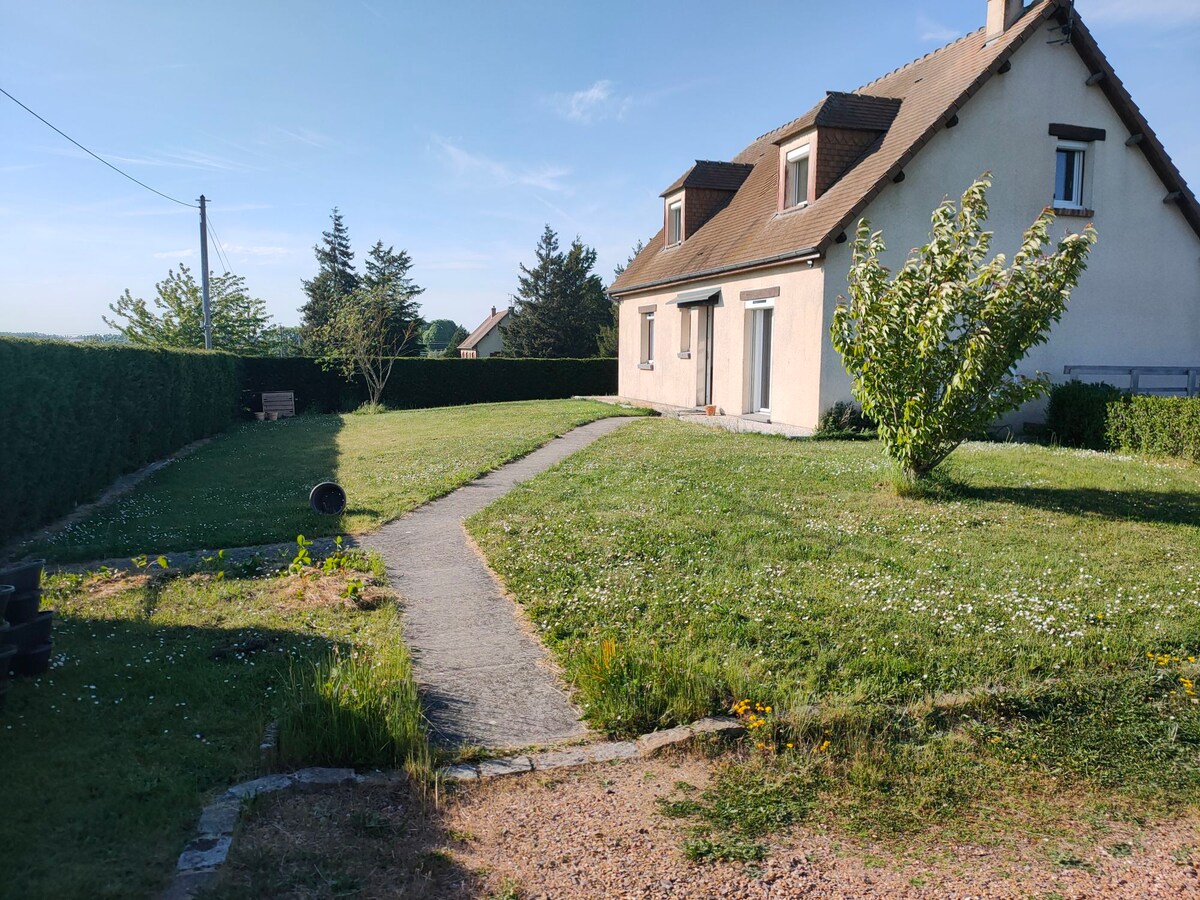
<point x="452" y="130"/>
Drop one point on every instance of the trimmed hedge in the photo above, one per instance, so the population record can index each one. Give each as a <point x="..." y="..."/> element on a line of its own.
<point x="77" y="416"/>
<point x="1077" y="414"/>
<point x="1167" y="426"/>
<point x="418" y="382"/>
<point x="1102" y="417"/>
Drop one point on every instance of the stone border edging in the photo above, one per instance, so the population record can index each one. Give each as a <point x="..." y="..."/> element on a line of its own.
<point x="204" y="854"/>
<point x="645" y="746"/>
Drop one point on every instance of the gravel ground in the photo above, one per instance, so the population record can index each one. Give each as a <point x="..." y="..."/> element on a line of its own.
<point x="593" y="833"/>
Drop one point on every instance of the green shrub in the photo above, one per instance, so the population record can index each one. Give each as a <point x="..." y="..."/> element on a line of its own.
<point x="355" y="707"/>
<point x="78" y="416"/>
<point x="1077" y="414"/>
<point x="1165" y="426"/>
<point x="845" y="420"/>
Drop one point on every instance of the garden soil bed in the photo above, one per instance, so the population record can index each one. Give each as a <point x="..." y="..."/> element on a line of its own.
<point x="596" y="832"/>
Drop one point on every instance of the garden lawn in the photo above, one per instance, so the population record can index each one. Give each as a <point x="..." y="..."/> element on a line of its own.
<point x="250" y="485"/>
<point x="1032" y="629"/>
<point x="157" y="700"/>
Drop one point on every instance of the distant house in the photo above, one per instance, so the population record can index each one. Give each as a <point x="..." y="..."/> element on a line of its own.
<point x="486" y="340"/>
<point x="730" y="304"/>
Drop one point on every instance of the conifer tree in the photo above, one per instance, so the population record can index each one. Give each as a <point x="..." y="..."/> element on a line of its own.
<point x="335" y="280"/>
<point x="560" y="305"/>
<point x="386" y="274"/>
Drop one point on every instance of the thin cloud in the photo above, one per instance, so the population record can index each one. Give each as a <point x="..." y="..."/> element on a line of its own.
<point x="476" y="166"/>
<point x="935" y="32"/>
<point x="1155" y="13"/>
<point x="255" y="250"/>
<point x="305" y="136"/>
<point x="593" y="104"/>
<point x="175" y="254"/>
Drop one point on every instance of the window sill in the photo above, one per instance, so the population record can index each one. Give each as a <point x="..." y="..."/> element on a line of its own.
<point x="788" y="210"/>
<point x="646" y="366"/>
<point x="1074" y="211"/>
<point x="684" y="354"/>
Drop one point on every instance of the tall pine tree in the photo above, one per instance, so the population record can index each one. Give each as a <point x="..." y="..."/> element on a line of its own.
<point x="335" y="280"/>
<point x="386" y="273"/>
<point x="560" y="305"/>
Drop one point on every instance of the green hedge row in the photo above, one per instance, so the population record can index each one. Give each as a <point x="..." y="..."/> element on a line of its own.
<point x="1102" y="417"/>
<point x="1077" y="414"/>
<point x="1167" y="426"/>
<point x="76" y="417"/>
<point x="418" y="382"/>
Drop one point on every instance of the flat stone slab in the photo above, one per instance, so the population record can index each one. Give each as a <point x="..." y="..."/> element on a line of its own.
<point x="265" y="785"/>
<point x="220" y="816"/>
<point x="484" y="677"/>
<point x="512" y="765"/>
<point x="320" y="775"/>
<point x="204" y="853"/>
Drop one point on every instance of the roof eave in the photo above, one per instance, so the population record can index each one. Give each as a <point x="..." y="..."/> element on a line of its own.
<point x="808" y="253"/>
<point x="847" y="220"/>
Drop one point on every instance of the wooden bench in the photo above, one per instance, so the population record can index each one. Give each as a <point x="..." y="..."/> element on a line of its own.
<point x="282" y="403"/>
<point x="1188" y="376"/>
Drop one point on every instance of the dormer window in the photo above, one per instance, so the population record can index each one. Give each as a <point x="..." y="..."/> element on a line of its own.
<point x="675" y="222"/>
<point x="796" y="177"/>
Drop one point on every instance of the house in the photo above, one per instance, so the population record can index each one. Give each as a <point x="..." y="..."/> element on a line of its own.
<point x="730" y="304"/>
<point x="486" y="340"/>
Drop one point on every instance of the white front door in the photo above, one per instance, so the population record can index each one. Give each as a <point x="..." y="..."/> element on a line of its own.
<point x="760" y="360"/>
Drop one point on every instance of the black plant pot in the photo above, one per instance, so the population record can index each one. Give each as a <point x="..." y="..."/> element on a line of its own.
<point x="23" y="608"/>
<point x="26" y="576"/>
<point x="8" y="653"/>
<point x="33" y="633"/>
<point x="6" y="591"/>
<point x="327" y="498"/>
<point x="35" y="660"/>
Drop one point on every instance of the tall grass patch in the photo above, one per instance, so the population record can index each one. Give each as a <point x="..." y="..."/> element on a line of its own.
<point x="354" y="707"/>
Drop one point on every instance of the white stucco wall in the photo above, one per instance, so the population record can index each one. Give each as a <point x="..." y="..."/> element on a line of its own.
<point x="675" y="381"/>
<point x="1139" y="301"/>
<point x="492" y="342"/>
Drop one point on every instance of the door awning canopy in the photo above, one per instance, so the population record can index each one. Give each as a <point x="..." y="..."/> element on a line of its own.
<point x="706" y="297"/>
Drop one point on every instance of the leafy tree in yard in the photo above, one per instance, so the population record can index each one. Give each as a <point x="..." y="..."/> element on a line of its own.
<point x="386" y="275"/>
<point x="335" y="279"/>
<point x="239" y="321"/>
<point x="932" y="350"/>
<point x="436" y="337"/>
<point x="609" y="342"/>
<point x="560" y="305"/>
<point x="361" y="337"/>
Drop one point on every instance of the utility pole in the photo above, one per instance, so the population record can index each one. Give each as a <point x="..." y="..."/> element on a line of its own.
<point x="204" y="276"/>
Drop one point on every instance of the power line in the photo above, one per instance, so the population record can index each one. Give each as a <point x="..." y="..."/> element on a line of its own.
<point x="217" y="243"/>
<point x="90" y="153"/>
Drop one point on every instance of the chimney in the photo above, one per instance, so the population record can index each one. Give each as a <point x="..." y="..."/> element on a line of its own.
<point x="493" y="310"/>
<point x="1000" y="15"/>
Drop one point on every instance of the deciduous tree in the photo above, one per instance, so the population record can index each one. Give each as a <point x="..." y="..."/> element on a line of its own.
<point x="932" y="351"/>
<point x="239" y="321"/>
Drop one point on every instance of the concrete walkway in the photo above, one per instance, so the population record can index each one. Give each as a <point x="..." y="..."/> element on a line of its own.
<point x="484" y="676"/>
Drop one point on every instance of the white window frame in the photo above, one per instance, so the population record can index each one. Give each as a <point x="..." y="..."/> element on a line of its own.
<point x="1080" y="149"/>
<point x="675" y="222"/>
<point x="796" y="194"/>
<point x="647" y="340"/>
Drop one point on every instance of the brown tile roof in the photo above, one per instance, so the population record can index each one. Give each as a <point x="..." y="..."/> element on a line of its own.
<point x="707" y="173"/>
<point x="485" y="327"/>
<point x="860" y="112"/>
<point x="750" y="232"/>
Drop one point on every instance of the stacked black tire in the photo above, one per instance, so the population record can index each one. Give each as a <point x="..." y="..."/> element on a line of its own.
<point x="25" y="628"/>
